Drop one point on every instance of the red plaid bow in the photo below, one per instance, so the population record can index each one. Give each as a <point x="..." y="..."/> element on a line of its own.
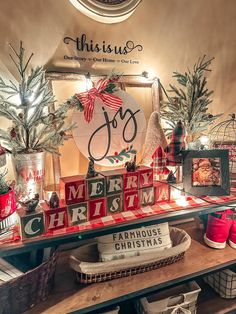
<point x="87" y="99"/>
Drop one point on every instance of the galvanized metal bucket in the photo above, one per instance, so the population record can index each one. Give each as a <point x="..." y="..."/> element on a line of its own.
<point x="29" y="173"/>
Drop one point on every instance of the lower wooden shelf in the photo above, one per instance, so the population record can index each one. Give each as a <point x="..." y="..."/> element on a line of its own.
<point x="210" y="302"/>
<point x="69" y="297"/>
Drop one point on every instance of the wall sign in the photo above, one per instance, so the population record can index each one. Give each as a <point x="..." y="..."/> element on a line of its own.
<point x="88" y="45"/>
<point x="111" y="138"/>
<point x="134" y="242"/>
<point x="83" y="44"/>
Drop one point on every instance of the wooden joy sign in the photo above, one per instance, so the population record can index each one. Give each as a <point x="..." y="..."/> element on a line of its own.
<point x="120" y="134"/>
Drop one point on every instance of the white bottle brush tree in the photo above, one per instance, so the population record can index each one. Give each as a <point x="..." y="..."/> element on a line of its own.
<point x="189" y="101"/>
<point x="26" y="104"/>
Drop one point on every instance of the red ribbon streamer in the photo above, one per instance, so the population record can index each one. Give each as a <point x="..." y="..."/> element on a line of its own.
<point x="88" y="98"/>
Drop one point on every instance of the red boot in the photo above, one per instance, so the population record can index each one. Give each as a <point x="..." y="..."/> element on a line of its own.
<point x="232" y="234"/>
<point x="218" y="229"/>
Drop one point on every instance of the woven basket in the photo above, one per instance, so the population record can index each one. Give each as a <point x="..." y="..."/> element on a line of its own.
<point x="24" y="292"/>
<point x="85" y="260"/>
<point x="223" y="282"/>
<point x="178" y="299"/>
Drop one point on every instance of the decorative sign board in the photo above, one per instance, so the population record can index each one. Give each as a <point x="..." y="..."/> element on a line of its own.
<point x="87" y="51"/>
<point x="86" y="199"/>
<point x="111" y="138"/>
<point x="134" y="242"/>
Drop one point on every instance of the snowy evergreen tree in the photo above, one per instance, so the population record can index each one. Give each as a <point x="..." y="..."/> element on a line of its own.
<point x="189" y="102"/>
<point x="26" y="104"/>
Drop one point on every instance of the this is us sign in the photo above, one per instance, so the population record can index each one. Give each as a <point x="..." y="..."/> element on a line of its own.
<point x="89" y="50"/>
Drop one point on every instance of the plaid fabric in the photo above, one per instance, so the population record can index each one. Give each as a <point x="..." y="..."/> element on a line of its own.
<point x="160" y="208"/>
<point x="223" y="282"/>
<point x="127" y="216"/>
<point x="154" y="165"/>
<point x="176" y="145"/>
<point x="159" y="162"/>
<point x="159" y="156"/>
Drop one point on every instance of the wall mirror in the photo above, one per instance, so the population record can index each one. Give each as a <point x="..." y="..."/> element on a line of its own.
<point x="64" y="85"/>
<point x="106" y="11"/>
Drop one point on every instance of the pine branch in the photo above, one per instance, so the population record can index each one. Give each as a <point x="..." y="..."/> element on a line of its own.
<point x="190" y="100"/>
<point x="13" y="86"/>
<point x="31" y="122"/>
<point x="10" y="115"/>
<point x="10" y="104"/>
<point x="27" y="63"/>
<point x="8" y="89"/>
<point x="4" y="135"/>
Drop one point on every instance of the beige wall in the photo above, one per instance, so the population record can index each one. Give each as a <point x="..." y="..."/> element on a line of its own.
<point x="173" y="33"/>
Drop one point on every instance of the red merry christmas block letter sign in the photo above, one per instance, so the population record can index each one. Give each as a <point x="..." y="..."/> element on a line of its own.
<point x="114" y="182"/>
<point x="130" y="180"/>
<point x="73" y="189"/>
<point x="162" y="192"/>
<point x="97" y="208"/>
<point x="114" y="203"/>
<point x="78" y="213"/>
<point x="146" y="196"/>
<point x="96" y="187"/>
<point x="131" y="200"/>
<point x="145" y="177"/>
<point x="31" y="224"/>
<point x="55" y="218"/>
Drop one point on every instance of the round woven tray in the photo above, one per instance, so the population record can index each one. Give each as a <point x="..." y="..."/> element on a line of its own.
<point x="85" y="260"/>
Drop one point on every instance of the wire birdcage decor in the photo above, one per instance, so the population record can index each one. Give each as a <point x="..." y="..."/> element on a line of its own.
<point x="223" y="136"/>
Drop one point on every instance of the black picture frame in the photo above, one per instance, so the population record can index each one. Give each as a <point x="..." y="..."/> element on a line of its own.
<point x="223" y="188"/>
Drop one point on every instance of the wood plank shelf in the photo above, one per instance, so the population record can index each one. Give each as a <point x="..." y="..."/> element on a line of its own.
<point x="43" y="242"/>
<point x="69" y="297"/>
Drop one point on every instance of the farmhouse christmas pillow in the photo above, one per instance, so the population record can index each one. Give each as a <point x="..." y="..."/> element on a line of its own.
<point x="134" y="242"/>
